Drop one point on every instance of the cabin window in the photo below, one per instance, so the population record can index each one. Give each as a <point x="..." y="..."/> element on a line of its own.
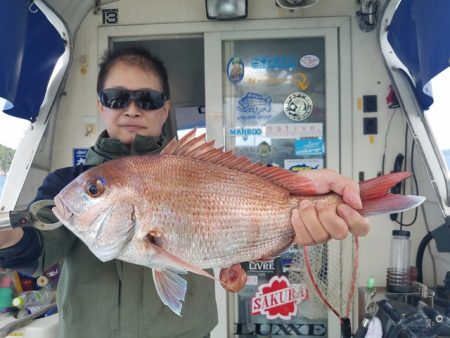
<point x="11" y="133"/>
<point x="438" y="116"/>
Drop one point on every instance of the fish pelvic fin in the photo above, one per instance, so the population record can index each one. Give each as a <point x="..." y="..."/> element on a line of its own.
<point x="377" y="200"/>
<point x="171" y="289"/>
<point x="198" y="148"/>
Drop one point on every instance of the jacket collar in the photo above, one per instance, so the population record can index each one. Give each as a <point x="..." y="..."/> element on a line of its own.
<point x="107" y="148"/>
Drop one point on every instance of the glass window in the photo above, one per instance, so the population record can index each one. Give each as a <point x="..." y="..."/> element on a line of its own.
<point x="11" y="133"/>
<point x="438" y="115"/>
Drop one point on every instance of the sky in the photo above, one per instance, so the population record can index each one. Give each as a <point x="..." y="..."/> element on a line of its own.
<point x="439" y="113"/>
<point x="11" y="130"/>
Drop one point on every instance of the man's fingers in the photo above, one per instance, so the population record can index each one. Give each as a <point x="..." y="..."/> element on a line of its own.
<point x="351" y="195"/>
<point x="333" y="224"/>
<point x="358" y="225"/>
<point x="312" y="223"/>
<point x="302" y="235"/>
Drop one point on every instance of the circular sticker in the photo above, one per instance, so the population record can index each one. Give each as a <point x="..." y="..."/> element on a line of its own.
<point x="263" y="149"/>
<point x="309" y="61"/>
<point x="298" y="106"/>
<point x="235" y="70"/>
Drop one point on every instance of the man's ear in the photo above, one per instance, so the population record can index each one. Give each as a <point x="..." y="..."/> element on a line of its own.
<point x="167" y="106"/>
<point x="100" y="107"/>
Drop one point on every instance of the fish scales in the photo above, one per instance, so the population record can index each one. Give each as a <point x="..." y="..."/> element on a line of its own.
<point x="210" y="215"/>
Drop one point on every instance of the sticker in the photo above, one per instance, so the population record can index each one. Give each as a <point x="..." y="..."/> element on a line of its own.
<point x="301" y="81"/>
<point x="296" y="329"/>
<point x="294" y="130"/>
<point x="79" y="155"/>
<point x="298" y="79"/>
<point x="309" y="61"/>
<point x="235" y="70"/>
<point x="303" y="164"/>
<point x="282" y="61"/>
<point x="251" y="280"/>
<point x="255" y="103"/>
<point x="309" y="147"/>
<point x="262" y="266"/>
<point x="298" y="106"/>
<point x="277" y="299"/>
<point x="264" y="149"/>
<point x="245" y="132"/>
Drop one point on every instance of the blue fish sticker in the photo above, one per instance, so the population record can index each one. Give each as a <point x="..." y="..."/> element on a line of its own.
<point x="255" y="103"/>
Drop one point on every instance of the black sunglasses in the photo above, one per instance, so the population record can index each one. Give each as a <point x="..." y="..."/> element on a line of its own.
<point x="117" y="98"/>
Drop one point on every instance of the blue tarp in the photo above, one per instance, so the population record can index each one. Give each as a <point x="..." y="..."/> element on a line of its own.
<point x="419" y="34"/>
<point x="31" y="46"/>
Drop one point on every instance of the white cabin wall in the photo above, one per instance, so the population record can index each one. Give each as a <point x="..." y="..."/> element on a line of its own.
<point x="369" y="77"/>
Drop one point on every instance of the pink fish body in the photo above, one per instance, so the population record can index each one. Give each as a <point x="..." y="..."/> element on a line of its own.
<point x="194" y="207"/>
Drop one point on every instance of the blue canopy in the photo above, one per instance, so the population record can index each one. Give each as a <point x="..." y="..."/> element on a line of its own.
<point x="31" y="48"/>
<point x="419" y="34"/>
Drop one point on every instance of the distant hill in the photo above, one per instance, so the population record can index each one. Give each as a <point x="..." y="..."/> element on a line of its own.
<point x="6" y="156"/>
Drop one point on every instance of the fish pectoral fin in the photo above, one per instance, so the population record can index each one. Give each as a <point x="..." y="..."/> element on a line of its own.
<point x="176" y="262"/>
<point x="171" y="289"/>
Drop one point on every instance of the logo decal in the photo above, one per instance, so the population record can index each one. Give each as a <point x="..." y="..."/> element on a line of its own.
<point x="235" y="70"/>
<point x="309" y="147"/>
<point x="309" y="61"/>
<point x="298" y="106"/>
<point x="273" y="62"/>
<point x="245" y="132"/>
<point x="277" y="299"/>
<point x="255" y="103"/>
<point x="263" y="149"/>
<point x="303" y="164"/>
<point x="294" y="130"/>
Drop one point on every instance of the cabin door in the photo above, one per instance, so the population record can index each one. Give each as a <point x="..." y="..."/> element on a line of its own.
<point x="280" y="106"/>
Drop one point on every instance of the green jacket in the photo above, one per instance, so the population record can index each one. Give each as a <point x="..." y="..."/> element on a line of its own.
<point x="118" y="299"/>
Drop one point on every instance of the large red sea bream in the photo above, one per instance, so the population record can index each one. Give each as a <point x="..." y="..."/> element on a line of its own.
<point x="195" y="207"/>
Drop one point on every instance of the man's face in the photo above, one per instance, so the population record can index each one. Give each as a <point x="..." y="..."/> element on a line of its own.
<point x="124" y="124"/>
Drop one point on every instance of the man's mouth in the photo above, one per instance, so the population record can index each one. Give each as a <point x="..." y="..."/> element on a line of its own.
<point x="132" y="127"/>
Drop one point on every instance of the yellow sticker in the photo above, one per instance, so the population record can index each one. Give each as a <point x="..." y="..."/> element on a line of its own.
<point x="371" y="139"/>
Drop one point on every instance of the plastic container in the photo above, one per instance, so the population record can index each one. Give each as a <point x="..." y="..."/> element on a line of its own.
<point x="6" y="297"/>
<point x="34" y="298"/>
<point x="398" y="276"/>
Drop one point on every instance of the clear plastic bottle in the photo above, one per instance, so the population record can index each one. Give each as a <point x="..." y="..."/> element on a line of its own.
<point x="398" y="274"/>
<point x="34" y="298"/>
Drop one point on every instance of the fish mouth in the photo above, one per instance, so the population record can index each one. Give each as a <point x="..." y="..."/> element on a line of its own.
<point x="61" y="211"/>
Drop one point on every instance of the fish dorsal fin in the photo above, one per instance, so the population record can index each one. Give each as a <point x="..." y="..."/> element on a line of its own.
<point x="198" y="148"/>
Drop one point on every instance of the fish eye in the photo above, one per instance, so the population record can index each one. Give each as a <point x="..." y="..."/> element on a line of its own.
<point x="94" y="188"/>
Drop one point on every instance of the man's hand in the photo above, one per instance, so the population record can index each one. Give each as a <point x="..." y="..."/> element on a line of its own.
<point x="314" y="224"/>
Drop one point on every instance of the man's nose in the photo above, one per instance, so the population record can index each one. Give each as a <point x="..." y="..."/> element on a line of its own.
<point x="132" y="110"/>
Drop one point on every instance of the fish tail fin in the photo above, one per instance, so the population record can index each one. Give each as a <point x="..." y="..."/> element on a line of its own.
<point x="376" y="198"/>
